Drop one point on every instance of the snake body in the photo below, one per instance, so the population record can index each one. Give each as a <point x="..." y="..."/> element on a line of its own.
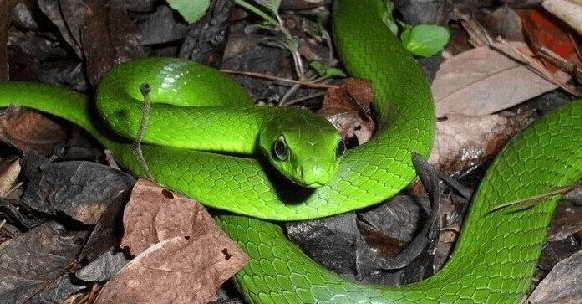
<point x="495" y="256"/>
<point x="497" y="252"/>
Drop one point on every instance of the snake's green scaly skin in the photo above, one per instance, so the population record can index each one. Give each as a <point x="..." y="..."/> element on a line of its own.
<point x="495" y="257"/>
<point x="225" y="120"/>
<point x="366" y="175"/>
<point x="498" y="251"/>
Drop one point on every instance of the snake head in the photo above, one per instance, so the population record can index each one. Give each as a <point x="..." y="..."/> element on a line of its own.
<point x="304" y="147"/>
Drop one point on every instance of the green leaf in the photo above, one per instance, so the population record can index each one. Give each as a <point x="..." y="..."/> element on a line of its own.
<point x="191" y="10"/>
<point x="425" y="39"/>
<point x="325" y="71"/>
<point x="272" y="5"/>
<point x="272" y="22"/>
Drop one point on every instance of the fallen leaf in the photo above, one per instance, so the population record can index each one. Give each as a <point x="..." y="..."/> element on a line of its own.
<point x="84" y="191"/>
<point x="181" y="254"/>
<point x="100" y="31"/>
<point x="561" y="285"/>
<point x="30" y="131"/>
<point x="6" y="13"/>
<point x="567" y="222"/>
<point x="465" y="141"/>
<point x="520" y="52"/>
<point x="482" y="81"/>
<point x="347" y="107"/>
<point x="9" y="170"/>
<point x="551" y="40"/>
<point x="567" y="10"/>
<point x="34" y="262"/>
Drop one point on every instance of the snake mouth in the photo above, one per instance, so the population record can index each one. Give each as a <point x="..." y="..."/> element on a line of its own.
<point x="301" y="181"/>
<point x="312" y="185"/>
<point x="304" y="184"/>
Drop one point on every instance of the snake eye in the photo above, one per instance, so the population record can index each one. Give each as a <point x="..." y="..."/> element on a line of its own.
<point x="280" y="149"/>
<point x="341" y="148"/>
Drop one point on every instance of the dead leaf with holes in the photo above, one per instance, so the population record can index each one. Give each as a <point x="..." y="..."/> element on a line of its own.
<point x="181" y="256"/>
<point x="347" y="107"/>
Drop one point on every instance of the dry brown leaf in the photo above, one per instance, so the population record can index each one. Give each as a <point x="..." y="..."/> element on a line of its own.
<point x="482" y="81"/>
<point x="181" y="255"/>
<point x="347" y="107"/>
<point x="521" y="52"/>
<point x="561" y="285"/>
<point x="554" y="46"/>
<point x="9" y="170"/>
<point x="567" y="10"/>
<point x="100" y="31"/>
<point x="30" y="131"/>
<point x="464" y="141"/>
<point x="6" y="13"/>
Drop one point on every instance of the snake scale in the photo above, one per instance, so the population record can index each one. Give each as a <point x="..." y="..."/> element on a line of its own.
<point x="497" y="253"/>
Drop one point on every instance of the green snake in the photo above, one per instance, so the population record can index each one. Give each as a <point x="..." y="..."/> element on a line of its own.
<point x="497" y="253"/>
